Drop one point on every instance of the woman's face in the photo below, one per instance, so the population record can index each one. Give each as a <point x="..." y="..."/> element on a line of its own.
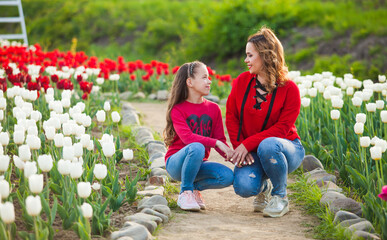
<point x="253" y="60"/>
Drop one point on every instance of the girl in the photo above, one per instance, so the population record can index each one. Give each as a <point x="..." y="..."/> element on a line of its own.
<point x="194" y="126"/>
<point x="261" y="111"/>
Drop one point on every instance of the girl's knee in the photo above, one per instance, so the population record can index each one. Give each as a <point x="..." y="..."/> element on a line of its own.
<point x="227" y="178"/>
<point x="196" y="149"/>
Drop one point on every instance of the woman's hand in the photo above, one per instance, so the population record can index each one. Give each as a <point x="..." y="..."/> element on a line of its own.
<point x="225" y="149"/>
<point x="239" y="156"/>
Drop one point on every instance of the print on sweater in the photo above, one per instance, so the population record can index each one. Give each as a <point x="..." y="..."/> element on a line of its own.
<point x="201" y="126"/>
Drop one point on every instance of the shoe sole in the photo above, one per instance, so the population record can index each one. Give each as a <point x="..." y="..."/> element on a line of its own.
<point x="276" y="215"/>
<point x="189" y="209"/>
<point x="258" y="209"/>
<point x="202" y="207"/>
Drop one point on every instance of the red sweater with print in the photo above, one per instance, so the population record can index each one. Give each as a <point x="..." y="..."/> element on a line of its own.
<point x="200" y="123"/>
<point x="284" y="113"/>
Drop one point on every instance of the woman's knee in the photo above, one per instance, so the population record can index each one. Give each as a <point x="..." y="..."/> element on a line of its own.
<point x="268" y="147"/>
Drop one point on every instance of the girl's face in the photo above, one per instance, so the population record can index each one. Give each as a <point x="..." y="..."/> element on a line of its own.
<point x="200" y="83"/>
<point x="253" y="60"/>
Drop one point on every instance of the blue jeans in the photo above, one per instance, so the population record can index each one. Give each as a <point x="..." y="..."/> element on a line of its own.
<point x="275" y="158"/>
<point x="187" y="166"/>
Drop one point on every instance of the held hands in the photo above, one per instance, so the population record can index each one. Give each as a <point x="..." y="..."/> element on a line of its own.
<point x="225" y="149"/>
<point x="241" y="156"/>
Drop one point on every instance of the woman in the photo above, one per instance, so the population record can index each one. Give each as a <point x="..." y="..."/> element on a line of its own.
<point x="194" y="126"/>
<point x="261" y="111"/>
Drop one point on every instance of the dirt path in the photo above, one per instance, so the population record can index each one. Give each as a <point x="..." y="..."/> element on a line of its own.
<point x="228" y="216"/>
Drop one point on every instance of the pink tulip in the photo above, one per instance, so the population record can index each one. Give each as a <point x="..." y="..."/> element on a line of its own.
<point x="383" y="194"/>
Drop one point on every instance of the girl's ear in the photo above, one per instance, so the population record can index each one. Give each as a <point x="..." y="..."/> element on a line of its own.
<point x="189" y="82"/>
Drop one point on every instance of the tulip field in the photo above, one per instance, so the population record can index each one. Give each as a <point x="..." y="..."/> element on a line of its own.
<point x="61" y="143"/>
<point x="343" y="122"/>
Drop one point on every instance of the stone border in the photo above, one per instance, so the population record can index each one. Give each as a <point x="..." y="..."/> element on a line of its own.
<point x="348" y="212"/>
<point x="153" y="208"/>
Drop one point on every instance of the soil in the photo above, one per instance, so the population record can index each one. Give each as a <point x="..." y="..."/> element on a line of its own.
<point x="228" y="216"/>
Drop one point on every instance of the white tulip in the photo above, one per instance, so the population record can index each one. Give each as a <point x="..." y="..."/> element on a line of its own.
<point x="128" y="154"/>
<point x="32" y="130"/>
<point x="45" y="162"/>
<point x="4" y="138"/>
<point x="100" y="81"/>
<point x="100" y="171"/>
<point x="356" y="101"/>
<point x="116" y="116"/>
<point x="359" y="128"/>
<point x="58" y="140"/>
<point x="3" y="103"/>
<point x="76" y="170"/>
<point x="86" y="121"/>
<point x="108" y="149"/>
<point x="49" y="98"/>
<point x="4" y="163"/>
<point x="64" y="167"/>
<point x="1" y="115"/>
<point x="87" y="210"/>
<point x="365" y="141"/>
<point x="382" y="144"/>
<point x="36" y="115"/>
<point x="373" y="140"/>
<point x="7" y="212"/>
<point x="24" y="153"/>
<point x="33" y="142"/>
<point x="379" y="104"/>
<point x="50" y="133"/>
<point x="337" y="102"/>
<point x="361" y="117"/>
<point x="85" y="140"/>
<point x="66" y="103"/>
<point x="4" y="189"/>
<point x="106" y="106"/>
<point x="376" y="153"/>
<point x="67" y="141"/>
<point x="33" y="205"/>
<point x="50" y="91"/>
<point x="35" y="182"/>
<point x="67" y="128"/>
<point x="68" y="152"/>
<point x="90" y="147"/>
<point x="18" y="137"/>
<point x="106" y="138"/>
<point x="383" y="116"/>
<point x="30" y="169"/>
<point x="382" y="78"/>
<point x="96" y="186"/>
<point x="335" y="114"/>
<point x="78" y="150"/>
<point x="312" y="92"/>
<point x="84" y="189"/>
<point x="350" y="91"/>
<point x="101" y="116"/>
<point x="371" y="107"/>
<point x="18" y="162"/>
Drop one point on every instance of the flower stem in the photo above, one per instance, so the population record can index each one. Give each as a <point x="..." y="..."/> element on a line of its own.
<point x="36" y="228"/>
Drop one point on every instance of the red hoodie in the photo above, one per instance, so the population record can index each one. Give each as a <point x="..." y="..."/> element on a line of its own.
<point x="196" y="123"/>
<point x="284" y="113"/>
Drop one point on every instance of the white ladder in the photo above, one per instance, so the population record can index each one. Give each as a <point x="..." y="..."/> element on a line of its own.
<point x="19" y="19"/>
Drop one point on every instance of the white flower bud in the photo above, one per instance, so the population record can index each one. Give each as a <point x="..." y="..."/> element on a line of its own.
<point x="50" y="133"/>
<point x="7" y="212"/>
<point x="87" y="210"/>
<point x="371" y="107"/>
<point x="379" y="104"/>
<point x="78" y="150"/>
<point x="365" y="141"/>
<point x="68" y="153"/>
<point x="76" y="170"/>
<point x="100" y="171"/>
<point x="350" y="91"/>
<point x="106" y="106"/>
<point x="383" y="116"/>
<point x="116" y="116"/>
<point x="100" y="81"/>
<point x="64" y="167"/>
<point x="45" y="162"/>
<point x="128" y="154"/>
<point x="361" y="117"/>
<point x="376" y="153"/>
<point x="18" y="162"/>
<point x="58" y="140"/>
<point x="4" y="138"/>
<point x="96" y="186"/>
<point x="30" y="169"/>
<point x="33" y="205"/>
<point x="84" y="189"/>
<point x="4" y="163"/>
<point x="4" y="189"/>
<point x="35" y="183"/>
<point x="24" y="153"/>
<point x="359" y="128"/>
<point x="337" y="102"/>
<point x="90" y="147"/>
<point x="108" y="149"/>
<point x="101" y="116"/>
<point x="86" y="121"/>
<point x="335" y="114"/>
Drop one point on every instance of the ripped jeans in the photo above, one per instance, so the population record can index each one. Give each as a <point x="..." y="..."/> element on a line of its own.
<point x="187" y="166"/>
<point x="275" y="158"/>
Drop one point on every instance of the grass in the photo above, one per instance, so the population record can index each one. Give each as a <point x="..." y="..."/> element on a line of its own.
<point x="308" y="195"/>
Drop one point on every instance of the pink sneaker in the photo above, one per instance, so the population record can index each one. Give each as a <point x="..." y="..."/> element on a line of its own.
<point x="199" y="199"/>
<point x="186" y="201"/>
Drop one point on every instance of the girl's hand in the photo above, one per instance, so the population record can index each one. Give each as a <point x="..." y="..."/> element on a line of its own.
<point x="225" y="149"/>
<point x="239" y="155"/>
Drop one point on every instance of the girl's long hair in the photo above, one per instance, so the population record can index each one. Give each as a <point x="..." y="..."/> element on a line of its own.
<point x="270" y="50"/>
<point x="178" y="94"/>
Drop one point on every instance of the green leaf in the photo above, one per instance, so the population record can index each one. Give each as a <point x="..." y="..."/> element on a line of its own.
<point x="62" y="212"/>
<point x="56" y="188"/>
<point x="53" y="210"/>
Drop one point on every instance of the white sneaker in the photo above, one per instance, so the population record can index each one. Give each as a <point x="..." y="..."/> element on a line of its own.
<point x="199" y="199"/>
<point x="186" y="201"/>
<point x="263" y="198"/>
<point x="277" y="207"/>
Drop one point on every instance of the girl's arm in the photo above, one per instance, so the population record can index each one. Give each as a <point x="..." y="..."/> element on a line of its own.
<point x="286" y="121"/>
<point x="218" y="133"/>
<point x="185" y="133"/>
